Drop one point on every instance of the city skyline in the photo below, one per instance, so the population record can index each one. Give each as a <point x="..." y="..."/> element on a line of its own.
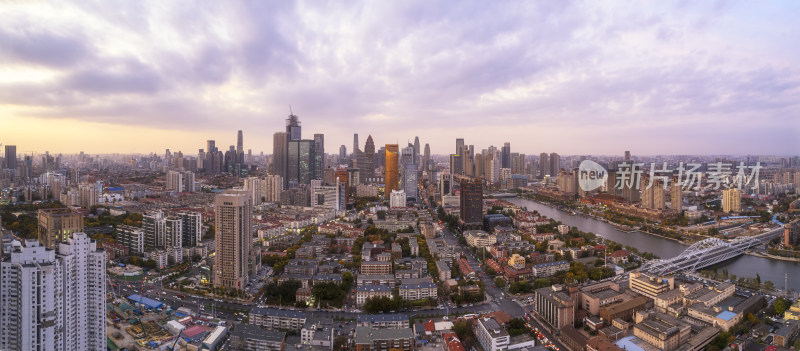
<point x="672" y="78"/>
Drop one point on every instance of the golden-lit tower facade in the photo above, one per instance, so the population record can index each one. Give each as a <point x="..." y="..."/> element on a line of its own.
<point x="392" y="175"/>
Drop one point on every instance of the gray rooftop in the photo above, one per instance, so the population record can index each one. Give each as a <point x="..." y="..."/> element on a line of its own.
<point x="365" y="335"/>
<point x="254" y="332"/>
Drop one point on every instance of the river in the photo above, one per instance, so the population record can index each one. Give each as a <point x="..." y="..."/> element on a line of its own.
<point x="742" y="266"/>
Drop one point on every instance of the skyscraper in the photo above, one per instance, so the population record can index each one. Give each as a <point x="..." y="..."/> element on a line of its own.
<point x="280" y="153"/>
<point x="355" y="143"/>
<point x="319" y="155"/>
<point x="53" y="300"/>
<point x="232" y="224"/>
<point x="391" y="177"/>
<point x="555" y="164"/>
<point x="11" y="157"/>
<point x="342" y="153"/>
<point x="293" y="131"/>
<point x="368" y="171"/>
<point x="506" y="155"/>
<point x="426" y="159"/>
<point x="544" y="165"/>
<point x="460" y="152"/>
<point x="301" y="163"/>
<point x="416" y="150"/>
<point x="410" y="185"/>
<point x="57" y="224"/>
<point x="471" y="202"/>
<point x="627" y="156"/>
<point x="456" y="164"/>
<point x="239" y="143"/>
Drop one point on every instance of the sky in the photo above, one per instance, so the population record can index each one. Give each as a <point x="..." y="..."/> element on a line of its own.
<point x="573" y="77"/>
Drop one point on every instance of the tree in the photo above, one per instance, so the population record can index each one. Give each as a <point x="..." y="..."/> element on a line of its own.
<point x="500" y="282"/>
<point x="780" y="306"/>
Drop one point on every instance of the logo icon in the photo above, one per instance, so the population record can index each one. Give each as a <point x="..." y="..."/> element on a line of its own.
<point x="591" y="175"/>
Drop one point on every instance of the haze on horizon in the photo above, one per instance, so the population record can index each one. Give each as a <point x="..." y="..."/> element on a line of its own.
<point x="573" y="77"/>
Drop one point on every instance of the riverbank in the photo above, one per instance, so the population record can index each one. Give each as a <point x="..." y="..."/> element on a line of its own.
<point x="620" y="227"/>
<point x="768" y="256"/>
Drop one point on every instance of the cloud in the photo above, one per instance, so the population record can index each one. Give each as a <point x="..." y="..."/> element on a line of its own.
<point x="399" y="69"/>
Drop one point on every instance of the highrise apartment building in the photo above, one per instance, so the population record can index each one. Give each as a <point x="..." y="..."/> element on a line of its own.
<point x="272" y="188"/>
<point x="53" y="300"/>
<point x="233" y="239"/>
<point x="731" y="200"/>
<point x="153" y="225"/>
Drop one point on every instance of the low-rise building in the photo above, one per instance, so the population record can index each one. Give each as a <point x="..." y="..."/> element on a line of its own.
<point x="491" y="335"/>
<point x="370" y="339"/>
<point x="379" y="321"/>
<point x="376" y="267"/>
<point x="365" y="292"/>
<point x="651" y="285"/>
<point x="277" y="319"/>
<point x="548" y="269"/>
<point x="317" y="332"/>
<point x="479" y="238"/>
<point x="593" y="297"/>
<point x="623" y="310"/>
<point x="252" y="337"/>
<point x="417" y="289"/>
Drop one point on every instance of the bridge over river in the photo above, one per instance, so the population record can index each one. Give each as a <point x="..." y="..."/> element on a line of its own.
<point x="708" y="252"/>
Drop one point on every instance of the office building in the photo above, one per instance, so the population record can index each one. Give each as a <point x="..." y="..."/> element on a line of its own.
<point x="650" y="285"/>
<point x="731" y="200"/>
<point x="53" y="299"/>
<point x="301" y="167"/>
<point x="392" y="176"/>
<point x="368" y="169"/>
<point x="491" y="335"/>
<point x="280" y="154"/>
<point x="11" y="157"/>
<point x="355" y="143"/>
<point x="505" y="155"/>
<point x="410" y="185"/>
<point x="456" y="164"/>
<point x="471" y="203"/>
<point x="57" y="224"/>
<point x="397" y="199"/>
<point x="319" y="155"/>
<point x="233" y="217"/>
<point x="554" y="306"/>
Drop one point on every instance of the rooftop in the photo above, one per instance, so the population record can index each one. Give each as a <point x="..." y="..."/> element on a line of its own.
<point x="365" y="335"/>
<point x="254" y="332"/>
